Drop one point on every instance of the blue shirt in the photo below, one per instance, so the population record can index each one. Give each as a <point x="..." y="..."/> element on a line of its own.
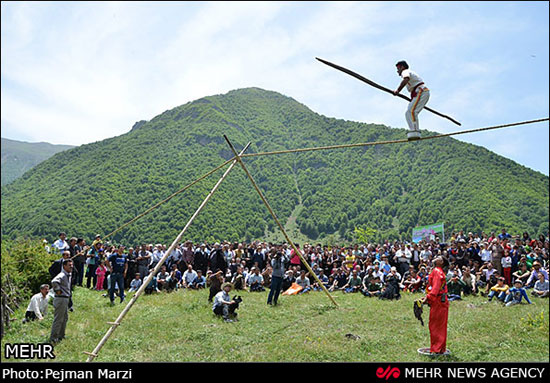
<point x="117" y="262"/>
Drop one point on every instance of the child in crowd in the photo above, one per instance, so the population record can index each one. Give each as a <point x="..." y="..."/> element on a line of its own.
<point x="516" y="294"/>
<point x="500" y="290"/>
<point x="506" y="263"/>
<point x="100" y="272"/>
<point x="136" y="283"/>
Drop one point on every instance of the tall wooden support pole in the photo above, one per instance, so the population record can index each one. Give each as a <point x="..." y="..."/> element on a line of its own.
<point x="114" y="325"/>
<point x="238" y="158"/>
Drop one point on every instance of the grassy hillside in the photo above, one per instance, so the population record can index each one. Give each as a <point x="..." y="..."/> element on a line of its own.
<point x="18" y="157"/>
<point x="305" y="328"/>
<point x="97" y="187"/>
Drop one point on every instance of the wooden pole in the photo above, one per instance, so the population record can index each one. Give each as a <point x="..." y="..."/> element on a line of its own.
<point x="238" y="157"/>
<point x="372" y="83"/>
<point x="146" y="282"/>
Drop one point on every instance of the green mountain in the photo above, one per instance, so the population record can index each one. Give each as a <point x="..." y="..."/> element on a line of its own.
<point x="18" y="157"/>
<point x="97" y="187"/>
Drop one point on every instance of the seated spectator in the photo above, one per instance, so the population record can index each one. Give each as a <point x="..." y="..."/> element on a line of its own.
<point x="516" y="294"/>
<point x="136" y="283"/>
<point x="188" y="276"/>
<point x="469" y="280"/>
<point x="324" y="280"/>
<point x="412" y="283"/>
<point x="239" y="279"/>
<point x="373" y="288"/>
<point x="255" y="280"/>
<point x="534" y="277"/>
<point x="500" y="290"/>
<point x="541" y="287"/>
<point x="199" y="282"/>
<point x="522" y="274"/>
<point x="38" y="306"/>
<point x="455" y="286"/>
<point x="391" y="290"/>
<point x="175" y="278"/>
<point x="288" y="280"/>
<point x="354" y="283"/>
<point x="303" y="281"/>
<point x="162" y="278"/>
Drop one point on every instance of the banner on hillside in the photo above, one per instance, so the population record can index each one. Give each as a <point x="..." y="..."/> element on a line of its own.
<point x="429" y="232"/>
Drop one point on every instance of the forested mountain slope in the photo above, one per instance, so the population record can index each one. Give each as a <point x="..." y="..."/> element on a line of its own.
<point x="19" y="156"/>
<point x="97" y="187"/>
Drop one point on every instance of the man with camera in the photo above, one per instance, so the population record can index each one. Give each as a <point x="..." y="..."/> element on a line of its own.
<point x="278" y="264"/>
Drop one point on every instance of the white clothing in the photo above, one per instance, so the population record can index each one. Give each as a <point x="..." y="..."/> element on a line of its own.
<point x="39" y="305"/>
<point x="417" y="102"/>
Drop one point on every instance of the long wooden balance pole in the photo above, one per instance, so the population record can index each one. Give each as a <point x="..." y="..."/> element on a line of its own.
<point x="377" y="86"/>
<point x="238" y="158"/>
<point x="115" y="324"/>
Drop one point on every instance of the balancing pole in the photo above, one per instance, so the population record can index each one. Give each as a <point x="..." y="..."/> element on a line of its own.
<point x="372" y="83"/>
<point x="238" y="158"/>
<point x="116" y="323"/>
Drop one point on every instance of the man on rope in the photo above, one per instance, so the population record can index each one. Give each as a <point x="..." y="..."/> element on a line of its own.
<point x="436" y="298"/>
<point x="419" y="97"/>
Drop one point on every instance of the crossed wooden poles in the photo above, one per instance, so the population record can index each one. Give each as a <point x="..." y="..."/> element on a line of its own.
<point x="237" y="159"/>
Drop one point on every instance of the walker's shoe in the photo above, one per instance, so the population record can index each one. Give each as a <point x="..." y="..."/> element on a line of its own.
<point x="413" y="135"/>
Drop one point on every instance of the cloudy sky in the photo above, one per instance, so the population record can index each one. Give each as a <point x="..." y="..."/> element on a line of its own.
<point x="75" y="73"/>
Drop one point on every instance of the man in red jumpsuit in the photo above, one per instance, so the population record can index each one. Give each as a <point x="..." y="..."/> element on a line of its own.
<point x="439" y="306"/>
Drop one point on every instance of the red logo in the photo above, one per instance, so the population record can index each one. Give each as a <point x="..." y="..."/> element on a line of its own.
<point x="388" y="372"/>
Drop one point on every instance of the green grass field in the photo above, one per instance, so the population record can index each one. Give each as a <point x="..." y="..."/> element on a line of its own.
<point x="180" y="327"/>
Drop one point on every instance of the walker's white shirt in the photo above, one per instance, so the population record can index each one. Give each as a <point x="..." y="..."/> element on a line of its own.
<point x="414" y="79"/>
<point x="39" y="305"/>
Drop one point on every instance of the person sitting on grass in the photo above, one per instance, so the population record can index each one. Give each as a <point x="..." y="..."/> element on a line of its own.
<point x="455" y="287"/>
<point x="516" y="294"/>
<point x="522" y="273"/>
<point x="223" y="305"/>
<point x="500" y="290"/>
<point x="373" y="287"/>
<point x="239" y="279"/>
<point x="412" y="282"/>
<point x="175" y="278"/>
<point x="162" y="278"/>
<point x="324" y="280"/>
<point x="303" y="281"/>
<point x="38" y="306"/>
<point x="354" y="283"/>
<point x="541" y="287"/>
<point x="199" y="282"/>
<point x="255" y="280"/>
<point x="188" y="276"/>
<point x="136" y="283"/>
<point x="469" y="280"/>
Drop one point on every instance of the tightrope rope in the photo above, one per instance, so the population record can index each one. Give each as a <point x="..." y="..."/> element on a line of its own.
<point x="390" y="142"/>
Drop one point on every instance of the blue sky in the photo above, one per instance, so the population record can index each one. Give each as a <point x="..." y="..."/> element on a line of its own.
<point x="74" y="73"/>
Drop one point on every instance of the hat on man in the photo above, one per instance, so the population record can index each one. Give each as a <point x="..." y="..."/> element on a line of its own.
<point x="225" y="284"/>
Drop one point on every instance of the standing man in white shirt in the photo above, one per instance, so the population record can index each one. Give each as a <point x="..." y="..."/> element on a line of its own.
<point x="419" y="97"/>
<point x="61" y="244"/>
<point x="38" y="307"/>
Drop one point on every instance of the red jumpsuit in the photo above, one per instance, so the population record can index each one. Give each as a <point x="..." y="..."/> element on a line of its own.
<point x="439" y="311"/>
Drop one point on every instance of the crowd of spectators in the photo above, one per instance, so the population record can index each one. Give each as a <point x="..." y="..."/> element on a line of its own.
<point x="498" y="266"/>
